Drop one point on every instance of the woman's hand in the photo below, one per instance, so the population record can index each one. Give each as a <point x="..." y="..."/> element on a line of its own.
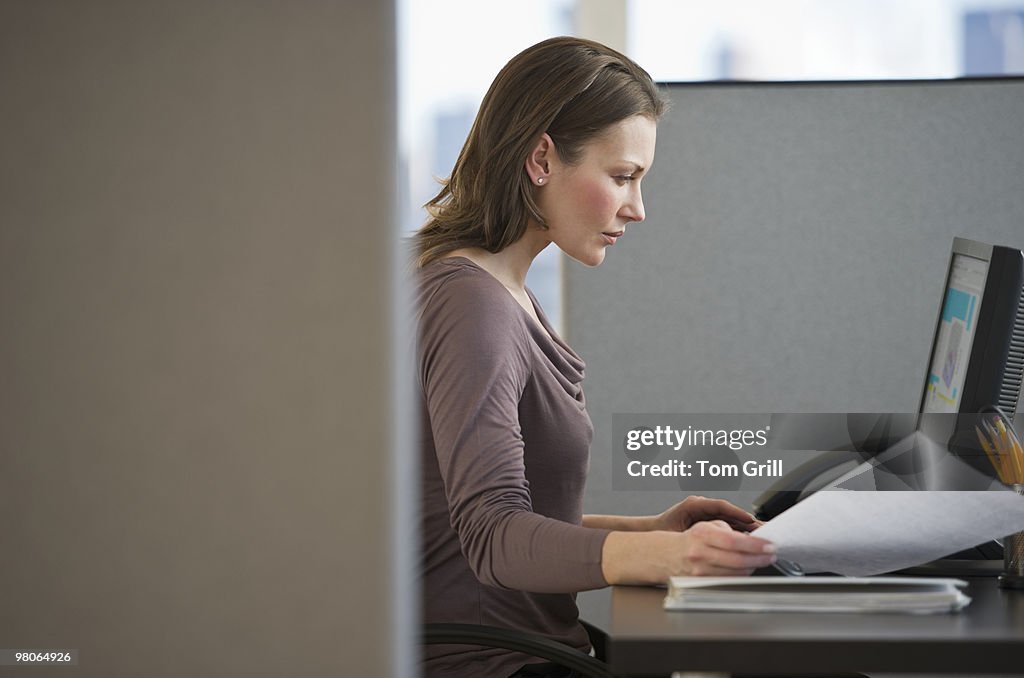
<point x="696" y="537"/>
<point x="709" y="547"/>
<point x="715" y="548"/>
<point x="693" y="510"/>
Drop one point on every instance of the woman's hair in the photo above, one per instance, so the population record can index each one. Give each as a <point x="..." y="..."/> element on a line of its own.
<point x="571" y="88"/>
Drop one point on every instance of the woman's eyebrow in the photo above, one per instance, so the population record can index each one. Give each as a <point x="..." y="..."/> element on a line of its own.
<point x="634" y="166"/>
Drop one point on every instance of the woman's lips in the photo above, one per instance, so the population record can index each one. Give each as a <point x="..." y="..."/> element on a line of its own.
<point x="610" y="238"/>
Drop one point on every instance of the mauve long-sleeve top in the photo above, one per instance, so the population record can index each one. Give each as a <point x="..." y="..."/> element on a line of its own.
<point x="506" y="439"/>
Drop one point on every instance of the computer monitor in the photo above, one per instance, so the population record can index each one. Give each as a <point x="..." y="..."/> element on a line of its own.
<point x="977" y="356"/>
<point x="976" y="360"/>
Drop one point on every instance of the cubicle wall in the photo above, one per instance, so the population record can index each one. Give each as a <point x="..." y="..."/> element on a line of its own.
<point x="202" y="390"/>
<point x="794" y="252"/>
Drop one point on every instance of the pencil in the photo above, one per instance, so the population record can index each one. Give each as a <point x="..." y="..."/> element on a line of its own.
<point x="1010" y="449"/>
<point x="1015" y="447"/>
<point x="1014" y="440"/>
<point x="992" y="438"/>
<point x="993" y="457"/>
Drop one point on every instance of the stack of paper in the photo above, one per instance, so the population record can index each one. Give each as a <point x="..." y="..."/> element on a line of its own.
<point x="816" y="594"/>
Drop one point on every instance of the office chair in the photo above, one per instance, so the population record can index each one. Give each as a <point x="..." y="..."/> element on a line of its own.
<point x="518" y="641"/>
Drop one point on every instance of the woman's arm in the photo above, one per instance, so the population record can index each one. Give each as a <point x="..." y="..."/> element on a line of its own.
<point x="678" y="518"/>
<point x="697" y="536"/>
<point x="620" y="523"/>
<point x="707" y="548"/>
<point x="475" y="360"/>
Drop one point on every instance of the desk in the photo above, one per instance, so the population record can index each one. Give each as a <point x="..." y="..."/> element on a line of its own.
<point x="642" y="639"/>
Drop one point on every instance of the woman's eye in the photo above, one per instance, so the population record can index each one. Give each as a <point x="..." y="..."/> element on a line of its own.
<point x="623" y="178"/>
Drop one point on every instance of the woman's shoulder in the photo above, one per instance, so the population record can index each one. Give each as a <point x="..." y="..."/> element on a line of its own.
<point x="457" y="297"/>
<point x="460" y="281"/>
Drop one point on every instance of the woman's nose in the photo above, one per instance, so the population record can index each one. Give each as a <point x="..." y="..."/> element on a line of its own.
<point x="634" y="209"/>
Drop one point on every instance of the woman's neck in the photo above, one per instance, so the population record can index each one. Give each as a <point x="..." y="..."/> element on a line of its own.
<point x="510" y="265"/>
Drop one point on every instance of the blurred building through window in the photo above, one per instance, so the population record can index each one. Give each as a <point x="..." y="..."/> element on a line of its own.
<point x="993" y="41"/>
<point x="450" y="50"/>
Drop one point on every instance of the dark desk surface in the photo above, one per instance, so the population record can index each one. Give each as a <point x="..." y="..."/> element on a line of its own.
<point x="642" y="639"/>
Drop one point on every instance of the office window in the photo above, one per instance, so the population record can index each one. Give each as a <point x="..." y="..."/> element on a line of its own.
<point x="834" y="40"/>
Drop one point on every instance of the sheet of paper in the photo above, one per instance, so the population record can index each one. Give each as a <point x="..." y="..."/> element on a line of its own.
<point x="859" y="533"/>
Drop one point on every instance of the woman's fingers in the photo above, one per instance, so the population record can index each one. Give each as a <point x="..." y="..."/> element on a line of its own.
<point x="720" y="534"/>
<point x="717" y="549"/>
<point x="719" y="509"/>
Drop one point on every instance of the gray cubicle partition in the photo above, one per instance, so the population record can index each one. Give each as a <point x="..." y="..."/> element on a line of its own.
<point x="794" y="252"/>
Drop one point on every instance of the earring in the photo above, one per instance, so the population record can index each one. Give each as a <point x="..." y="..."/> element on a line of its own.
<point x="540" y="180"/>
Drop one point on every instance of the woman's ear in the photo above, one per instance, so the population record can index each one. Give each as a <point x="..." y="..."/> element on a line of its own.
<point x="538" y="162"/>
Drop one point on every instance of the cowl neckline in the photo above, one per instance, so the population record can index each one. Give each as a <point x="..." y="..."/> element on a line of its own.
<point x="566" y="365"/>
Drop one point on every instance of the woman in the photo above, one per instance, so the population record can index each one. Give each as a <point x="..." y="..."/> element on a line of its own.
<point x="557" y="153"/>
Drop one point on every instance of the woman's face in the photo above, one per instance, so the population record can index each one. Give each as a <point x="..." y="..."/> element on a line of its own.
<point x="587" y="205"/>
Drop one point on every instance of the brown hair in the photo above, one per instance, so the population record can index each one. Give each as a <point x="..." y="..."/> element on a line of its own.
<point x="571" y="88"/>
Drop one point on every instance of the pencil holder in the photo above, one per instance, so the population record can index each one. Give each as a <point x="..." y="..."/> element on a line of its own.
<point x="1013" y="556"/>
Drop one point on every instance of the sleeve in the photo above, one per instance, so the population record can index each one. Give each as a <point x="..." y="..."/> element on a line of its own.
<point x="474" y="365"/>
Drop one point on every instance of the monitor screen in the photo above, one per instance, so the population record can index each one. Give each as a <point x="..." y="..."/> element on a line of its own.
<point x="977" y="356"/>
<point x="958" y="322"/>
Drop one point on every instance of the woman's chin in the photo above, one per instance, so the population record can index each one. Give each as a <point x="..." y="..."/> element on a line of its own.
<point x="589" y="259"/>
